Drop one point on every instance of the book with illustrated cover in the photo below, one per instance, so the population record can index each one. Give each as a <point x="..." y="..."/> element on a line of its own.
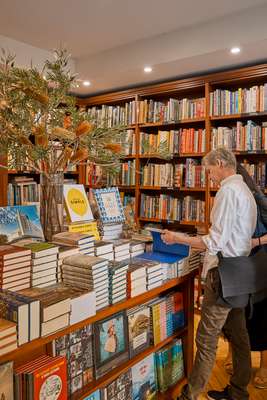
<point x="6" y="381"/>
<point x="144" y="379"/>
<point x="77" y="347"/>
<point x="110" y="343"/>
<point x="50" y="380"/>
<point x="76" y="203"/>
<point x="119" y="389"/>
<point x="109" y="205"/>
<point x="18" y="222"/>
<point x="93" y="396"/>
<point x="139" y="330"/>
<point x="169" y="364"/>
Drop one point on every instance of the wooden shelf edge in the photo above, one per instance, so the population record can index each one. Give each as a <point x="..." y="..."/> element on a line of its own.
<point x="173" y="392"/>
<point x="237" y="116"/>
<point x="110" y="376"/>
<point x="106" y="312"/>
<point x="167" y="123"/>
<point x="177" y="189"/>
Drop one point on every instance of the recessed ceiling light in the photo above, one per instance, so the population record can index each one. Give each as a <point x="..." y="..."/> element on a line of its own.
<point x="148" y="69"/>
<point x="235" y="50"/>
<point x="86" y="83"/>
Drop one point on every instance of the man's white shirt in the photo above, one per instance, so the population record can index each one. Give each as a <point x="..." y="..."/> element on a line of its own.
<point x="233" y="222"/>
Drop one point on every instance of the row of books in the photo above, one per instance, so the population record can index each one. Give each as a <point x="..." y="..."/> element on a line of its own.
<point x="242" y="100"/>
<point x="189" y="175"/>
<point x="151" y="111"/>
<point x="148" y="111"/>
<point x="126" y="175"/>
<point x="89" y="350"/>
<point x="109" y="116"/>
<point x="258" y="172"/>
<point x="129" y="143"/>
<point x="250" y="137"/>
<point x="24" y="190"/>
<point x="174" y="141"/>
<point x="61" y="376"/>
<point x="171" y="208"/>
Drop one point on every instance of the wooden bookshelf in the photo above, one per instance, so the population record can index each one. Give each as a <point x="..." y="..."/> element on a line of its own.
<point x="195" y="87"/>
<point x="43" y="345"/>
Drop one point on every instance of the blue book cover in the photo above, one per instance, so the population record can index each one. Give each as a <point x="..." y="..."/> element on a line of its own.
<point x="166" y="253"/>
<point x="93" y="396"/>
<point x="144" y="379"/>
<point x="18" y="222"/>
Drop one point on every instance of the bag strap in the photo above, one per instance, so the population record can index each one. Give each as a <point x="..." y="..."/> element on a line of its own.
<point x="220" y="256"/>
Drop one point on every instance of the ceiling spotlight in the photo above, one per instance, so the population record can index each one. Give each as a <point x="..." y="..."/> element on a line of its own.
<point x="86" y="83"/>
<point x="147" y="69"/>
<point x="235" y="50"/>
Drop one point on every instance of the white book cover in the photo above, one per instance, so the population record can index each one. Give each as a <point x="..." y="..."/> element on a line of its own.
<point x="77" y="204"/>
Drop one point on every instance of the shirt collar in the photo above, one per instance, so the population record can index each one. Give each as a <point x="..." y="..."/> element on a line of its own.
<point x="232" y="178"/>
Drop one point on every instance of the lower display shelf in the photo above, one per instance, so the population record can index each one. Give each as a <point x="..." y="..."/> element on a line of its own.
<point x="113" y="374"/>
<point x="173" y="392"/>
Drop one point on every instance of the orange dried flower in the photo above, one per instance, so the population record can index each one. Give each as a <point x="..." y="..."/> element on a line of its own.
<point x="24" y="140"/>
<point x="114" y="147"/>
<point x="42" y="140"/>
<point x="83" y="128"/>
<point x="79" y="155"/>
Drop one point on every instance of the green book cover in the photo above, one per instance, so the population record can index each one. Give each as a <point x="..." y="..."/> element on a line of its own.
<point x="39" y="246"/>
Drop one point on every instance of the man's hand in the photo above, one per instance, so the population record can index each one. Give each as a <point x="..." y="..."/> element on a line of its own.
<point x="169" y="237"/>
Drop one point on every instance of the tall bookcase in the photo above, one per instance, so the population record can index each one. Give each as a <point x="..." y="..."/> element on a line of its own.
<point x="190" y="88"/>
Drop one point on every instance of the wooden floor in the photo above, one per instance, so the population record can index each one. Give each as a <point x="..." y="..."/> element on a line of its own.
<point x="220" y="378"/>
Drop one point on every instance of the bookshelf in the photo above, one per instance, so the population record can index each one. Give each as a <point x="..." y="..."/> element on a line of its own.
<point x="43" y="345"/>
<point x="200" y="87"/>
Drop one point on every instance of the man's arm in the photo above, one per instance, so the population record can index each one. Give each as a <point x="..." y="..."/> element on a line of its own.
<point x="224" y="216"/>
<point x="170" y="237"/>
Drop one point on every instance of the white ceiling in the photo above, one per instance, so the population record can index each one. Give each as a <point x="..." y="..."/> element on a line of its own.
<point x="112" y="40"/>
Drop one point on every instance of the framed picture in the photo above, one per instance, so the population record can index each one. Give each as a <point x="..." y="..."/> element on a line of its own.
<point x="109" y="205"/>
<point x="111" y="343"/>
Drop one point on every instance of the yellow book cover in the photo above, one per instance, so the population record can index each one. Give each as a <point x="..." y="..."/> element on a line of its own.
<point x="76" y="203"/>
<point x="85" y="228"/>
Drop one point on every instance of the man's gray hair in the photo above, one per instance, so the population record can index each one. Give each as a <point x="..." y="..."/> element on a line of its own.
<point x="227" y="157"/>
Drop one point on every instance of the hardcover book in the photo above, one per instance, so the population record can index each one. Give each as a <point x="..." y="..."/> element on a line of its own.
<point x="18" y="222"/>
<point x="6" y="381"/>
<point x="110" y="343"/>
<point x="144" y="379"/>
<point x="50" y="381"/>
<point x="166" y="253"/>
<point x="109" y="205"/>
<point x="76" y="203"/>
<point x="139" y="330"/>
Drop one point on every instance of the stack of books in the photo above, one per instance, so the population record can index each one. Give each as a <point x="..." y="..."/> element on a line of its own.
<point x="137" y="247"/>
<point x="85" y="242"/>
<point x="77" y="347"/>
<point x="121" y="249"/>
<point x="169" y="365"/>
<point x="55" y="308"/>
<point x="40" y="377"/>
<point x="87" y="228"/>
<point x="15" y="267"/>
<point x="136" y="278"/>
<point x="23" y="190"/>
<point x="89" y="273"/>
<point x="157" y="175"/>
<point x="110" y="231"/>
<point x="23" y="311"/>
<point x="110" y="211"/>
<point x="154" y="274"/>
<point x="63" y="252"/>
<point x="104" y="249"/>
<point x="44" y="264"/>
<point x="8" y="336"/>
<point x="117" y="281"/>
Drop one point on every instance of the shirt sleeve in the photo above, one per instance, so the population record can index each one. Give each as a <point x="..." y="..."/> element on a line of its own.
<point x="224" y="216"/>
